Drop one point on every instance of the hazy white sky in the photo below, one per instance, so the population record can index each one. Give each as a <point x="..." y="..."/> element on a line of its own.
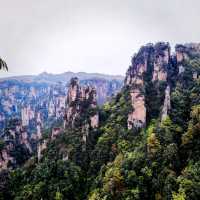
<point x="89" y="35"/>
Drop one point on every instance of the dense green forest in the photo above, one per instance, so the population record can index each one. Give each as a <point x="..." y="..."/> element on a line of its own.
<point x="160" y="160"/>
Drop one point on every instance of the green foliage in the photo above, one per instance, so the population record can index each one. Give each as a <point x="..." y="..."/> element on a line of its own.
<point x="2" y="144"/>
<point x="48" y="180"/>
<point x="3" y="65"/>
<point x="159" y="162"/>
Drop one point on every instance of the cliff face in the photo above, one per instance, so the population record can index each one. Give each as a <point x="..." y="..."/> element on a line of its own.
<point x="25" y="100"/>
<point x="78" y="107"/>
<point x="155" y="68"/>
<point x="17" y="145"/>
<point x="79" y="101"/>
<point x="105" y="89"/>
<point x="81" y="117"/>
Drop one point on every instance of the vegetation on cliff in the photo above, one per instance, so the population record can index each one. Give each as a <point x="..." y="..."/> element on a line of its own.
<point x="160" y="159"/>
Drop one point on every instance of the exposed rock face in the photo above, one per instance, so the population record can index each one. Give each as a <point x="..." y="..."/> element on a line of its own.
<point x="41" y="147"/>
<point x="138" y="117"/>
<point x="24" y="99"/>
<point x="167" y="103"/>
<point x="195" y="75"/>
<point x="81" y="104"/>
<point x="24" y="139"/>
<point x="79" y="100"/>
<point x="55" y="132"/>
<point x="135" y="80"/>
<point x="183" y="52"/>
<point x="5" y="158"/>
<point x="134" y="75"/>
<point x="73" y="91"/>
<point x="16" y="139"/>
<point x="154" y="65"/>
<point x="104" y="89"/>
<point x="152" y="60"/>
<point x="181" y="69"/>
<point x="161" y="61"/>
<point x="94" y="121"/>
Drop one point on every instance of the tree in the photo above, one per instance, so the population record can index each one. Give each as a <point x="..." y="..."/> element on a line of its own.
<point x="3" y="65"/>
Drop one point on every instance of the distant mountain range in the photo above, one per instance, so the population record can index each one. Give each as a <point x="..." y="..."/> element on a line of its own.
<point x="63" y="77"/>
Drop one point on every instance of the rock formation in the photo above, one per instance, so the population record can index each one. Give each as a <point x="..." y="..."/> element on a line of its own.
<point x="79" y="101"/>
<point x="153" y="65"/>
<point x="138" y="117"/>
<point x="167" y="104"/>
<point x="135" y="80"/>
<point x="41" y="147"/>
<point x="16" y="139"/>
<point x="24" y="99"/>
<point x="161" y="61"/>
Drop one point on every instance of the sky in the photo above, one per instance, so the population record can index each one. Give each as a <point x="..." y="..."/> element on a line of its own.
<point x="89" y="35"/>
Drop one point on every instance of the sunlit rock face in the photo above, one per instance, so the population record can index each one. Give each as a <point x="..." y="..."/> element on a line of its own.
<point x="94" y="121"/>
<point x="150" y="63"/>
<point x="138" y="117"/>
<point x="135" y="80"/>
<point x="167" y="104"/>
<point x="40" y="148"/>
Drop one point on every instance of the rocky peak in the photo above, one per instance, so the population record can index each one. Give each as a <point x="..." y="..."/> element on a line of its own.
<point x="138" y="66"/>
<point x="153" y="68"/>
<point x="79" y="101"/>
<point x="161" y="61"/>
<point x="151" y="61"/>
<point x="73" y="91"/>
<point x="183" y="52"/>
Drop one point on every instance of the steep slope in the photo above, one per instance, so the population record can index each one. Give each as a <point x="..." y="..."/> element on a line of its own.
<point x="144" y="144"/>
<point x="157" y="157"/>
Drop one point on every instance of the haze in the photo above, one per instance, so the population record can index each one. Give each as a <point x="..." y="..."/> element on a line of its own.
<point x="90" y="36"/>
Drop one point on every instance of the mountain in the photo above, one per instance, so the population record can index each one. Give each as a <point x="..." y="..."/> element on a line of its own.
<point x="142" y="144"/>
<point x="27" y="97"/>
<point x="63" y="77"/>
<point x="25" y="100"/>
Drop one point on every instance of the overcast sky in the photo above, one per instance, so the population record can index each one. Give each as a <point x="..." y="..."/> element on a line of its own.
<point x="89" y="35"/>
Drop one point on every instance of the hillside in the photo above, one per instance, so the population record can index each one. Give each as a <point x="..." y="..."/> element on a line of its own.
<point x="143" y="144"/>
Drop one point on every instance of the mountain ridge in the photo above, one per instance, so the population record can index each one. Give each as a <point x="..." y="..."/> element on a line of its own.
<point x="45" y="77"/>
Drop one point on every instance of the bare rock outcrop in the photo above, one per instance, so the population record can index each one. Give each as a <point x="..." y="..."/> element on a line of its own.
<point x="16" y="139"/>
<point x="137" y="118"/>
<point x="167" y="104"/>
<point x="151" y="61"/>
<point x="161" y="61"/>
<point x="81" y="100"/>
